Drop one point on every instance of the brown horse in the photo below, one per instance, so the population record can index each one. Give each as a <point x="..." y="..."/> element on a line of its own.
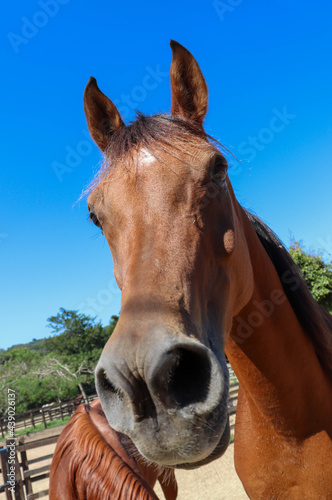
<point x="92" y="461"/>
<point x="199" y="274"/>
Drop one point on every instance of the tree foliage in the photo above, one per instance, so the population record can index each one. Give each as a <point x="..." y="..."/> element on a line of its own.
<point x="56" y="368"/>
<point x="316" y="272"/>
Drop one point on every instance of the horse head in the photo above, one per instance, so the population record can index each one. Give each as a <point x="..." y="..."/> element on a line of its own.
<point x="166" y="207"/>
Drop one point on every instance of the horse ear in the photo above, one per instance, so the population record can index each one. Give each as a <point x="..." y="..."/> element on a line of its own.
<point x="189" y="89"/>
<point x="101" y="114"/>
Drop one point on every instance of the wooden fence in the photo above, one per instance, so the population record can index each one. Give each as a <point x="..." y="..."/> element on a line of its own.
<point x="25" y="474"/>
<point x="43" y="415"/>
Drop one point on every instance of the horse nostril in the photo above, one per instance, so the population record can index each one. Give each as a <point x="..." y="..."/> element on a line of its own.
<point x="106" y="385"/>
<point x="107" y="392"/>
<point x="182" y="378"/>
<point x="129" y="395"/>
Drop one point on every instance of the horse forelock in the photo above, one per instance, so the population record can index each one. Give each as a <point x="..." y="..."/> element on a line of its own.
<point x="155" y="136"/>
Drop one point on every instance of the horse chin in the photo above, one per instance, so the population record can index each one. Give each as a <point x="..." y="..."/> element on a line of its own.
<point x="217" y="452"/>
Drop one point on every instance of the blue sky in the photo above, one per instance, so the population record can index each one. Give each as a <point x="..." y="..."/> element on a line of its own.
<point x="268" y="68"/>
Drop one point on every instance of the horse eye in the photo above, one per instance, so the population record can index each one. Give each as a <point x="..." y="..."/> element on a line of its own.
<point x="94" y="219"/>
<point x="220" y="171"/>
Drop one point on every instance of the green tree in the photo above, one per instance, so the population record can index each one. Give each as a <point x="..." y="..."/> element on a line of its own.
<point x="77" y="346"/>
<point x="77" y="335"/>
<point x="22" y="370"/>
<point x="316" y="272"/>
<point x="56" y="368"/>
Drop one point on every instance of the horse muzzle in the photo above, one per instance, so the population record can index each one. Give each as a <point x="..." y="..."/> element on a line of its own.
<point x="169" y="394"/>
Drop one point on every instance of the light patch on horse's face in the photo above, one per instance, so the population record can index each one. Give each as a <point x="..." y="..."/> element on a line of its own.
<point x="144" y="156"/>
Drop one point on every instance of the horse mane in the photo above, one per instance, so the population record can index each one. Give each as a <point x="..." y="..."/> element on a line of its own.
<point x="314" y="319"/>
<point x="88" y="467"/>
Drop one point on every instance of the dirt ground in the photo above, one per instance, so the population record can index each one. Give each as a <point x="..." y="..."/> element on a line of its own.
<point x="216" y="481"/>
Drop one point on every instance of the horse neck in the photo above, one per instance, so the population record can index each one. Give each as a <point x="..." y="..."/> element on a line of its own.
<point x="274" y="358"/>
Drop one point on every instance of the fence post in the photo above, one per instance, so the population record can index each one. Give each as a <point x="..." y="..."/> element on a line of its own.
<point x="2" y="428"/>
<point x="19" y="492"/>
<point x="44" y="420"/>
<point x="25" y="466"/>
<point x="3" y="455"/>
<point x="32" y="420"/>
<point x="61" y="413"/>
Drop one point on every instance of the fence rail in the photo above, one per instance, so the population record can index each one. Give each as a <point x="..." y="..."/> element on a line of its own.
<point x="43" y="415"/>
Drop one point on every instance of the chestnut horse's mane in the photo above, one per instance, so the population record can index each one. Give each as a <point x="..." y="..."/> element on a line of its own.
<point x="315" y="320"/>
<point x="94" y="465"/>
